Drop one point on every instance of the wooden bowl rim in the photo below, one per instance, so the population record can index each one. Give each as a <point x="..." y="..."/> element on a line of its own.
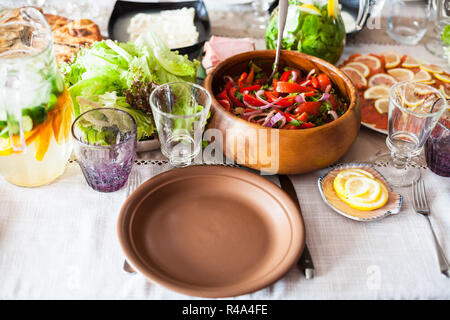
<point x="253" y="54"/>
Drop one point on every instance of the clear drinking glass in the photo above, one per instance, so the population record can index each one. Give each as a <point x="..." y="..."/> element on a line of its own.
<point x="414" y="110"/>
<point x="105" y="147"/>
<point x="408" y="21"/>
<point x="442" y="18"/>
<point x="180" y="110"/>
<point x="437" y="147"/>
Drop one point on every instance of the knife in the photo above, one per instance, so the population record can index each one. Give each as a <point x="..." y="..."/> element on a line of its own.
<point x="305" y="262"/>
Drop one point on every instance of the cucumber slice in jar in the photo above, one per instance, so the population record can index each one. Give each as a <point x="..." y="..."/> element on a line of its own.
<point x="57" y="84"/>
<point x="27" y="123"/>
<point x="52" y="102"/>
<point x="38" y="114"/>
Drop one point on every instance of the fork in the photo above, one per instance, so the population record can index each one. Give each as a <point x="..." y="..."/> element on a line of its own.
<point x="134" y="180"/>
<point x="420" y="204"/>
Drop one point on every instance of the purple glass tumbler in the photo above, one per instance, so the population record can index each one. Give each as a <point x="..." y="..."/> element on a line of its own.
<point x="105" y="147"/>
<point x="437" y="147"/>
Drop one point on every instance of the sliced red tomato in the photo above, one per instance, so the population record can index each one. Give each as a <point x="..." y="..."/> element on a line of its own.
<point x="324" y="81"/>
<point x="226" y="104"/>
<point x="310" y="107"/>
<point x="288" y="87"/>
<point x="286" y="75"/>
<point x="251" y="88"/>
<point x="234" y="100"/>
<point x="253" y="101"/>
<point x="333" y="102"/>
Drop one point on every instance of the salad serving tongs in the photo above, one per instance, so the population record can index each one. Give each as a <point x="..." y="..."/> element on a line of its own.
<point x="282" y="15"/>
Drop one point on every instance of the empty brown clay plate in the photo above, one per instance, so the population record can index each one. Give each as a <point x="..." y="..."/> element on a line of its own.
<point x="330" y="197"/>
<point x="211" y="231"/>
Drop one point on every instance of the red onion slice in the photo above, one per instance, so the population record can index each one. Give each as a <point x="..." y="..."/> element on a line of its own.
<point x="328" y="88"/>
<point x="333" y="114"/>
<point x="268" y="105"/>
<point x="310" y="74"/>
<point x="300" y="98"/>
<point x="324" y="97"/>
<point x="275" y="119"/>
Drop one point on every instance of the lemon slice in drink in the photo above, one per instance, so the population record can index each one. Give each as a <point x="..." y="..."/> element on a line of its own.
<point x="5" y="147"/>
<point x="333" y="8"/>
<point x="309" y="8"/>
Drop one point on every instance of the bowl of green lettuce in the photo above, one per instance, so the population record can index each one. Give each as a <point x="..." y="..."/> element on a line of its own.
<point x="123" y="75"/>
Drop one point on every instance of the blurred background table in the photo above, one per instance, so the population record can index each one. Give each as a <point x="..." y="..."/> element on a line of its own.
<point x="59" y="241"/>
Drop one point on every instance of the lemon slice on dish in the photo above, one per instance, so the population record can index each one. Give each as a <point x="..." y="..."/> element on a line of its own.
<point x="445" y="91"/>
<point x="361" y="67"/>
<point x="309" y="8"/>
<point x="344" y="175"/>
<point x="382" y="105"/>
<point x="360" y="190"/>
<point x="363" y="204"/>
<point x="432" y="68"/>
<point x="422" y="76"/>
<point x="392" y="59"/>
<point x="443" y="77"/>
<point x="333" y="8"/>
<point x="376" y="92"/>
<point x="411" y="62"/>
<point x="401" y="74"/>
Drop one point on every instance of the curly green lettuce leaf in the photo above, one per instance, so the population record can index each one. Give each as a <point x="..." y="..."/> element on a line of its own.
<point x="145" y="127"/>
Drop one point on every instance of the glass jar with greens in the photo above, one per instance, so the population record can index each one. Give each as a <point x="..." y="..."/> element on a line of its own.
<point x="313" y="27"/>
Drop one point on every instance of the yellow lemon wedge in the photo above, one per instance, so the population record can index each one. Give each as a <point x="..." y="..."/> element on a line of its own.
<point x="5" y="147"/>
<point x="309" y="8"/>
<point x="333" y="8"/>
<point x="360" y="190"/>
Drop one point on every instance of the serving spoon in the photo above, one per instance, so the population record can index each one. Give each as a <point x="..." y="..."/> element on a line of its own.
<point x="282" y="15"/>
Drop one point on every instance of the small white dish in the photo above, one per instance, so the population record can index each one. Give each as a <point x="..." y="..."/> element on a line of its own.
<point x="330" y="197"/>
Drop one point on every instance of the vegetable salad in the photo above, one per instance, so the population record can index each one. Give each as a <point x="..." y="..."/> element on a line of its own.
<point x="292" y="100"/>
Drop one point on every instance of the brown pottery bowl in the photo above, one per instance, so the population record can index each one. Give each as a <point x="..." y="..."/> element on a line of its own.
<point x="283" y="151"/>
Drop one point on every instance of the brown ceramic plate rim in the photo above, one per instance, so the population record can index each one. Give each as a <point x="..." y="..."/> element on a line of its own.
<point x="352" y="96"/>
<point x="297" y="229"/>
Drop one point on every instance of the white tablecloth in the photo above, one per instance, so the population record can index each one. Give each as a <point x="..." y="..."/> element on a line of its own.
<point x="60" y="242"/>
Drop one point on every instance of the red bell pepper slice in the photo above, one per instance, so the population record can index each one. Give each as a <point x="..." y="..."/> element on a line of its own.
<point x="234" y="100"/>
<point x="315" y="83"/>
<point x="253" y="101"/>
<point x="226" y="104"/>
<point x="251" y="88"/>
<point x="288" y="87"/>
<point x="288" y="117"/>
<point x="310" y="107"/>
<point x="251" y="77"/>
<point x="241" y="79"/>
<point x="284" y="102"/>
<point x="223" y="95"/>
<point x="285" y="76"/>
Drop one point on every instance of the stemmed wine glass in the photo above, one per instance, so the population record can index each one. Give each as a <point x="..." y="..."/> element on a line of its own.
<point x="442" y="18"/>
<point x="414" y="110"/>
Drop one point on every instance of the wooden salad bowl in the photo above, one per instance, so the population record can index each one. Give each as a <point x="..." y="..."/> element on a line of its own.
<point x="281" y="151"/>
